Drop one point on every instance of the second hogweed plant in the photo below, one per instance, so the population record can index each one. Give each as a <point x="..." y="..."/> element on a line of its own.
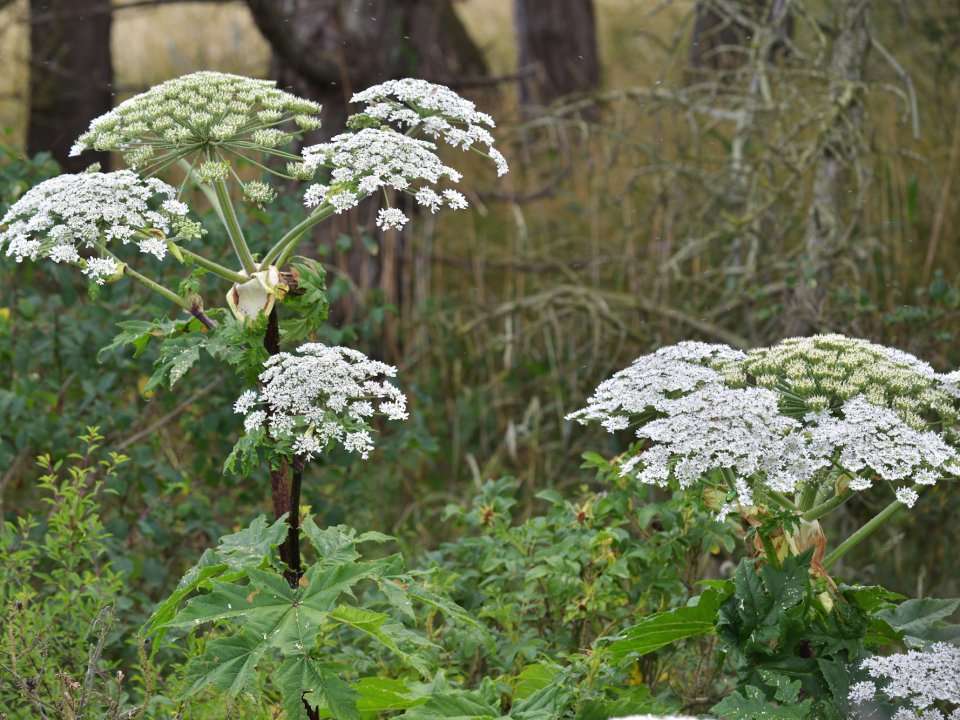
<point x="775" y="439"/>
<point x="275" y="615"/>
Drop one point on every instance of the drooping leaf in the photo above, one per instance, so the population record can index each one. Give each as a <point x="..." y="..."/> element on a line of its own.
<point x="923" y="621"/>
<point x="662" y="629"/>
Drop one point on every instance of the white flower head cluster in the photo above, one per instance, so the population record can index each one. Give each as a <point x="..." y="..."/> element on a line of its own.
<point x="195" y="112"/>
<point x="369" y="160"/>
<point x="435" y="109"/>
<point x="925" y="680"/>
<point x="320" y="395"/>
<point x="652" y="380"/>
<point x="777" y="417"/>
<point x="65" y="215"/>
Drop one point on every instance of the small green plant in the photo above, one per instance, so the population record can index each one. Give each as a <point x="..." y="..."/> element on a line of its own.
<point x="59" y="596"/>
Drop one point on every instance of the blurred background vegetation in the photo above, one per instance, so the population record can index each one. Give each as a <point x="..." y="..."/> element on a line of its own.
<point x="728" y="170"/>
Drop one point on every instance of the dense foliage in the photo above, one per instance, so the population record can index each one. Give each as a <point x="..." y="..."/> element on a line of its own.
<point x="683" y="568"/>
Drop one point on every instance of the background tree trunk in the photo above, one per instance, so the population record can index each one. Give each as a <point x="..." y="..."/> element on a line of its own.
<point x="836" y="171"/>
<point x="71" y="75"/>
<point x="556" y="49"/>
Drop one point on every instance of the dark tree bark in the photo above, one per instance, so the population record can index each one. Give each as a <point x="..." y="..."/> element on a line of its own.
<point x="556" y="49"/>
<point x="71" y="75"/>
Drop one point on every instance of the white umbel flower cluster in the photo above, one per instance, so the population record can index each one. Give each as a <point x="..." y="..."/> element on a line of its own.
<point x="367" y="161"/>
<point x="321" y="395"/>
<point x="926" y="680"/>
<point x="65" y="215"/>
<point x="199" y="111"/>
<point x="435" y="109"/>
<point x="779" y="417"/>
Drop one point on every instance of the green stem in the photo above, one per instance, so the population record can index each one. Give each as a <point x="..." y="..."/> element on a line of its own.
<point x="214" y="267"/>
<point x="818" y="511"/>
<point x="229" y="216"/>
<point x="809" y="495"/>
<point x="144" y="280"/>
<point x="863" y="533"/>
<point x="769" y="550"/>
<point x="289" y="241"/>
<point x="782" y="500"/>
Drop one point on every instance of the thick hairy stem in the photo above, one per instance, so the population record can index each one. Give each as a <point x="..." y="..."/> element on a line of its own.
<point x="292" y="544"/>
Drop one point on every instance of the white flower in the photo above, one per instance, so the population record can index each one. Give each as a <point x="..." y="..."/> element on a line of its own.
<point x="195" y="111"/>
<point x="648" y="382"/>
<point x="874" y="438"/>
<point x="918" y="678"/>
<point x="60" y="217"/>
<point x="100" y="269"/>
<point x="908" y="496"/>
<point x="455" y="200"/>
<point x="321" y="395"/>
<point x="314" y="195"/>
<point x="391" y="218"/>
<point x="436" y="109"/>
<point x="367" y="161"/>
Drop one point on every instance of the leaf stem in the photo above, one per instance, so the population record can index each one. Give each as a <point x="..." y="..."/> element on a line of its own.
<point x="863" y="533"/>
<point x="144" y="280"/>
<point x="214" y="267"/>
<point x="818" y="511"/>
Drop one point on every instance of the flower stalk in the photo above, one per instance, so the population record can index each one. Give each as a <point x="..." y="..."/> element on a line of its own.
<point x="863" y="533"/>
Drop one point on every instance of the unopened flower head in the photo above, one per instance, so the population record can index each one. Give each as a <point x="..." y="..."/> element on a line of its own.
<point x="319" y="396"/>
<point x="369" y="160"/>
<point x="436" y="110"/>
<point x="922" y="681"/>
<point x="197" y="112"/>
<point x="837" y="368"/>
<point x="62" y="217"/>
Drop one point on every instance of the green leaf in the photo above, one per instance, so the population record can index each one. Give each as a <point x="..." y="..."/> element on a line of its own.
<point x="237" y="552"/>
<point x="229" y="663"/>
<point x="662" y="629"/>
<point x="301" y="678"/>
<point x="754" y="706"/>
<point x="785" y="689"/>
<point x="138" y="333"/>
<point x="533" y="678"/>
<point x="922" y="621"/>
<point x="454" y="705"/>
<point x="379" y="695"/>
<point x="375" y="625"/>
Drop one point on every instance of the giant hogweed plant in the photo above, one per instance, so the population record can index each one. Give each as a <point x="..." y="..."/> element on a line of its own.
<point x="275" y="618"/>
<point x="776" y="439"/>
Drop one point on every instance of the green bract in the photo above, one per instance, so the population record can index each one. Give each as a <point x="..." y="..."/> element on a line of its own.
<point x="208" y="112"/>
